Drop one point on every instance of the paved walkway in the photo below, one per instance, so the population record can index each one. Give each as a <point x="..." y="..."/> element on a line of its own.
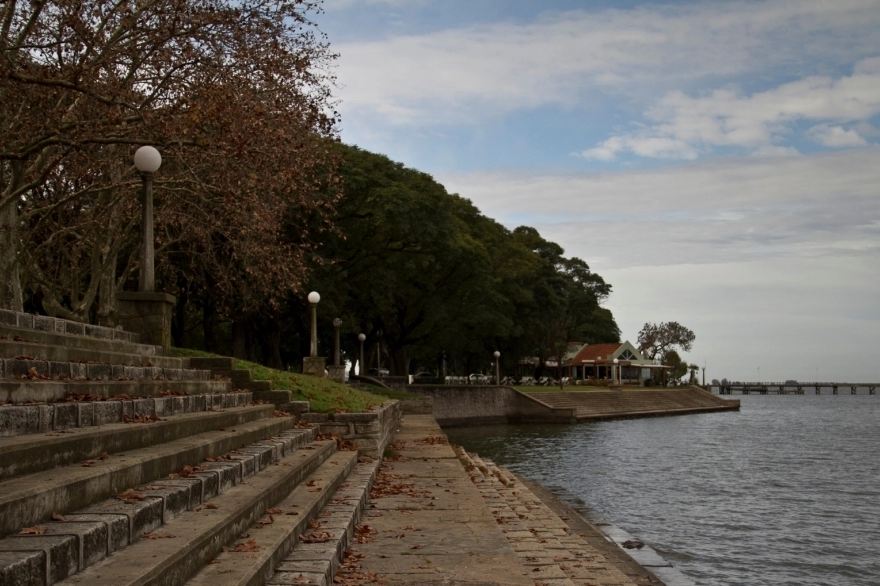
<point x="430" y="522"/>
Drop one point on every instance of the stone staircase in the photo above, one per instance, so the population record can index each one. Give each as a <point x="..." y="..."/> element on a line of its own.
<point x="602" y="404"/>
<point x="120" y="465"/>
<point x="553" y="554"/>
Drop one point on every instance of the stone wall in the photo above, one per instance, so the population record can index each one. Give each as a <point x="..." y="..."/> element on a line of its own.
<point x="477" y="405"/>
<point x="369" y="431"/>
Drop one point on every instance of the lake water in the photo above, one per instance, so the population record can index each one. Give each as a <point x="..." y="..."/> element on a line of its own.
<point x="787" y="491"/>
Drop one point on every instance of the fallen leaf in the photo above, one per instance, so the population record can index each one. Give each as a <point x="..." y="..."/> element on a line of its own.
<point x="35" y="530"/>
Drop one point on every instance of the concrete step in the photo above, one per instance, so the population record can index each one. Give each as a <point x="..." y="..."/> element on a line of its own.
<point x="78" y="341"/>
<point x="26" y="454"/>
<point x="113" y="525"/>
<point x="57" y="353"/>
<point x="26" y="365"/>
<point x="30" y="321"/>
<point x="33" y="498"/>
<point x="274" y="542"/>
<point x="318" y="555"/>
<point x="299" y="485"/>
<point x="48" y="391"/>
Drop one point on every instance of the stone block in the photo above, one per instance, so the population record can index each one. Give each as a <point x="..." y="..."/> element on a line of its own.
<point x="175" y="499"/>
<point x="189" y="404"/>
<point x="121" y="335"/>
<point x="116" y="526"/>
<point x="59" y="369"/>
<point x="297" y="408"/>
<point x="86" y="414"/>
<point x="91" y="539"/>
<point x="99" y="371"/>
<point x="8" y="317"/>
<point x="356" y="417"/>
<point x="147" y="314"/>
<point x="192" y="487"/>
<point x="22" y="568"/>
<point x="316" y="417"/>
<point x="44" y="323"/>
<point x="143" y="516"/>
<point x="229" y="400"/>
<point x="60" y="326"/>
<point x="248" y="462"/>
<point x="47" y="417"/>
<point x="2" y="368"/>
<point x="144" y="407"/>
<point x="99" y="332"/>
<point x="367" y="428"/>
<point x="172" y="373"/>
<point x="25" y="320"/>
<point x="200" y="403"/>
<point x="340" y="429"/>
<point x="61" y="552"/>
<point x="127" y="409"/>
<point x="117" y="371"/>
<point x="78" y="370"/>
<point x="164" y="406"/>
<point x="179" y="405"/>
<point x="217" y="401"/>
<point x="66" y="416"/>
<point x="210" y="484"/>
<point x="133" y="372"/>
<point x="106" y="412"/>
<point x="16" y="368"/>
<point x="75" y="329"/>
<point x="263" y="455"/>
<point x="19" y="420"/>
<point x="314" y="366"/>
<point x="228" y="474"/>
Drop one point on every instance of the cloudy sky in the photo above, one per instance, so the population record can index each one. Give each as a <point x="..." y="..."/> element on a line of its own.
<point x="717" y="162"/>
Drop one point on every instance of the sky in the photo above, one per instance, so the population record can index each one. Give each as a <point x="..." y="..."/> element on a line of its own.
<point x="718" y="163"/>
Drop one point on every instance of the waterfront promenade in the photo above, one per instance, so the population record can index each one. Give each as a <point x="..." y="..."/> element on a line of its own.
<point x="437" y="517"/>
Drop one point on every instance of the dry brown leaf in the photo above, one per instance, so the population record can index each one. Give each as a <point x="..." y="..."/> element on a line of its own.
<point x="35" y="530"/>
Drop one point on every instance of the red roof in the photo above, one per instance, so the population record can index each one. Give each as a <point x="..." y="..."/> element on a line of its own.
<point x="594" y="352"/>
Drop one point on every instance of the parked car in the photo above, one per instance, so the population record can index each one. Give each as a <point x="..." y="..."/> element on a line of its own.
<point x="423" y="377"/>
<point x="380" y="372"/>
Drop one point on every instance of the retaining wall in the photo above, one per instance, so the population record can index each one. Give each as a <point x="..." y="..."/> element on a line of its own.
<point x="478" y="405"/>
<point x="370" y="431"/>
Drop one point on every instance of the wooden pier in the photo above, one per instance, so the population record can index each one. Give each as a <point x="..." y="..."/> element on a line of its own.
<point x="789" y="388"/>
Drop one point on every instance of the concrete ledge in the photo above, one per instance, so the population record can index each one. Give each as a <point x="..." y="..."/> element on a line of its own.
<point x="37" y="391"/>
<point x="27" y="454"/>
<point x="369" y="431"/>
<point x="56" y="324"/>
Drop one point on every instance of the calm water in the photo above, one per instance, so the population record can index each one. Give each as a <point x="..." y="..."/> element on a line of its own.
<point x="783" y="492"/>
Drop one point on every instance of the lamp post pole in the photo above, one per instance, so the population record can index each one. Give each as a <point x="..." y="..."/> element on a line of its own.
<point x="497" y="368"/>
<point x="314" y="298"/>
<point x="147" y="160"/>
<point x="336" y="323"/>
<point x="361" y="338"/>
<point x="615" y="372"/>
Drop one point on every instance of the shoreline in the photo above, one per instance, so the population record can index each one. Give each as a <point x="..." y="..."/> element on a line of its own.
<point x="643" y="563"/>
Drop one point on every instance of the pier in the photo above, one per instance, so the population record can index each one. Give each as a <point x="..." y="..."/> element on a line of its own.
<point x="791" y="388"/>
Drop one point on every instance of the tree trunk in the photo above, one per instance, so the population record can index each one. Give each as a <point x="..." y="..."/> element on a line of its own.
<point x="209" y="325"/>
<point x="10" y="276"/>
<point x="240" y="338"/>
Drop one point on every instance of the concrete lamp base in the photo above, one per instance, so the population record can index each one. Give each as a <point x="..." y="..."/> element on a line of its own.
<point x="314" y="366"/>
<point x="147" y="314"/>
<point x="336" y="372"/>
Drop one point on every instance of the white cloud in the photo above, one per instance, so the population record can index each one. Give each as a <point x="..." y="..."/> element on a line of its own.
<point x="835" y="136"/>
<point x="466" y="74"/>
<point x="726" y="118"/>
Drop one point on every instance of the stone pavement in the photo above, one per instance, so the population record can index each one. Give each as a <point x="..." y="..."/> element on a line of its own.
<point x="430" y="521"/>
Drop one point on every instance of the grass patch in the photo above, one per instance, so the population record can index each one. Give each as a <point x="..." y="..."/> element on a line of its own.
<point x="323" y="395"/>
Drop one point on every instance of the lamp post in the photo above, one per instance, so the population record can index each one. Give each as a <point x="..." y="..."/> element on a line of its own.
<point x="147" y="160"/>
<point x="615" y="372"/>
<point x="314" y="298"/>
<point x="361" y="338"/>
<point x="336" y="323"/>
<point x="497" y="355"/>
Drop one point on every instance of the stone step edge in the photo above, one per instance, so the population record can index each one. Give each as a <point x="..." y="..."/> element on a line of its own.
<point x="111" y="526"/>
<point x="317" y="563"/>
<point x="275" y="540"/>
<point x="57" y="370"/>
<point x="20" y="319"/>
<point x="32" y="392"/>
<point x="31" y="453"/>
<point x="551" y="525"/>
<point x="18" y="420"/>
<point x="33" y="498"/>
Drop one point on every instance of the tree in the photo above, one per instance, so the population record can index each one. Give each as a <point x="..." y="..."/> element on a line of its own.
<point x="677" y="367"/>
<point x="235" y="94"/>
<point x="656" y="340"/>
